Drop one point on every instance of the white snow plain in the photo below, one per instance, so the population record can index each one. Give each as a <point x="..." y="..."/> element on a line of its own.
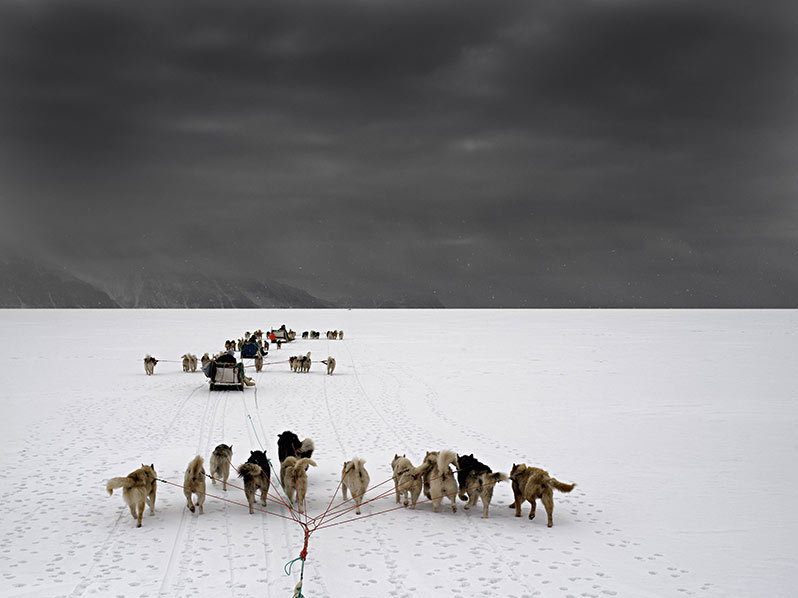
<point x="678" y="427"/>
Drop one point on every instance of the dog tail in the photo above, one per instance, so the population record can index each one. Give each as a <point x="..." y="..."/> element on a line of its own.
<point x="304" y="462"/>
<point x="195" y="468"/>
<point x="249" y="470"/>
<point x="446" y="458"/>
<point x="557" y="485"/>
<point x="306" y="449"/>
<point x="494" y="478"/>
<point x="114" y="483"/>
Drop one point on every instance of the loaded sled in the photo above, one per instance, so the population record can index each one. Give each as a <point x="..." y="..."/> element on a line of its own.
<point x="225" y="373"/>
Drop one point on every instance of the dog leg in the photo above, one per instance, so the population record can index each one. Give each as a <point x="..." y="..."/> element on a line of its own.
<point x="200" y="501"/>
<point x="532" y="502"/>
<point x="485" y="505"/>
<point x="517" y="504"/>
<point x="140" y="509"/>
<point x="343" y="491"/>
<point x="152" y="502"/>
<point x="189" y="504"/>
<point x="548" y="501"/>
<point x="251" y="501"/>
<point x="396" y="487"/>
<point x="453" y="498"/>
<point x="133" y="511"/>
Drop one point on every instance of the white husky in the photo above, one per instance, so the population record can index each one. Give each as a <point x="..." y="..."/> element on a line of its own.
<point x="355" y="478"/>
<point x="441" y="479"/>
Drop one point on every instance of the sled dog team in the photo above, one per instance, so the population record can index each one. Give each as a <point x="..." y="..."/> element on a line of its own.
<point x="433" y="476"/>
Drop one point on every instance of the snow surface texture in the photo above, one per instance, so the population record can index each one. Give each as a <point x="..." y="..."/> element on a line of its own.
<point x="677" y="426"/>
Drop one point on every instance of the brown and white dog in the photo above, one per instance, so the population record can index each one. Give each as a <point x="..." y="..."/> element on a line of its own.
<point x="531" y="483"/>
<point x="149" y="364"/>
<point x="194" y="483"/>
<point x="220" y="464"/>
<point x="355" y="478"/>
<point x="186" y="362"/>
<point x="254" y="479"/>
<point x="294" y="478"/>
<point x="138" y="487"/>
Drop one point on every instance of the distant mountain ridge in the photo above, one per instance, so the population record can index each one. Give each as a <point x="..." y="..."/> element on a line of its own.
<point x="33" y="283"/>
<point x="30" y="283"/>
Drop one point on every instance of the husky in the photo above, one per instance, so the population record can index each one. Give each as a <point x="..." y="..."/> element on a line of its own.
<point x="259" y="458"/>
<point x="294" y="479"/>
<point x="341" y="335"/>
<point x="305" y="450"/>
<point x="258" y="362"/>
<point x="531" y="483"/>
<point x="399" y="464"/>
<point x="149" y="364"/>
<point x="407" y="480"/>
<point x="355" y="478"/>
<point x="194" y="482"/>
<point x="440" y="479"/>
<point x="138" y="487"/>
<point x="288" y="444"/>
<point x="476" y="482"/>
<point x="330" y="363"/>
<point x="255" y="478"/>
<point x="205" y="359"/>
<point x="305" y="335"/>
<point x="193" y="362"/>
<point x="220" y="464"/>
<point x="186" y="362"/>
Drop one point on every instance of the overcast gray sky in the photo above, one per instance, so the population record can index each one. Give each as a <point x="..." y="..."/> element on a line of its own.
<point x="561" y="152"/>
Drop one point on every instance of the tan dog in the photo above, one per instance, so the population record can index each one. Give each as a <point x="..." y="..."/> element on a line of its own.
<point x="258" y="362"/>
<point x="294" y="478"/>
<point x="149" y="364"/>
<point x="193" y="362"/>
<point x="220" y="464"/>
<point x="399" y="465"/>
<point x="355" y="478"/>
<point x="531" y="483"/>
<point x="340" y="335"/>
<point x="408" y="480"/>
<point x="205" y="359"/>
<point x="254" y="479"/>
<point x="138" y="487"/>
<point x="186" y="362"/>
<point x="330" y="363"/>
<point x="194" y="483"/>
<point x="440" y="479"/>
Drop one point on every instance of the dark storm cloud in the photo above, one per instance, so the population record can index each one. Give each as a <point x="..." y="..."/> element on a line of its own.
<point x="514" y="153"/>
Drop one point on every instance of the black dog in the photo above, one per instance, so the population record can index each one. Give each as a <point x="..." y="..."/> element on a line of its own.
<point x="469" y="467"/>
<point x="259" y="458"/>
<point x="288" y="444"/>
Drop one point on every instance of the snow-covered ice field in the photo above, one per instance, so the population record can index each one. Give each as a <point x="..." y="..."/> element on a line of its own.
<point x="679" y="428"/>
